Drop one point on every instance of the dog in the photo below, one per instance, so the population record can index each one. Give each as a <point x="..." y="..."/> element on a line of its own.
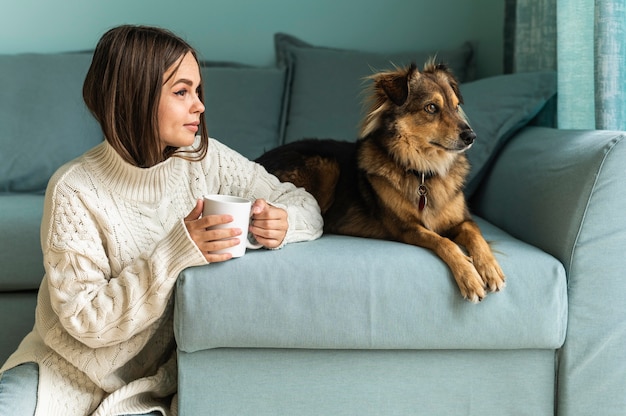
<point x="403" y="178"/>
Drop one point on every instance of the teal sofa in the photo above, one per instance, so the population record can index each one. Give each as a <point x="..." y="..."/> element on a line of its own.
<point x="351" y="326"/>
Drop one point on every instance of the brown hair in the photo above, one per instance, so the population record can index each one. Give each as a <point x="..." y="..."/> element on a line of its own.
<point x="122" y="90"/>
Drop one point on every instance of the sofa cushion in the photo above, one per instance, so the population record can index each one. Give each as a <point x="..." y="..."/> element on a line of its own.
<point x="497" y="107"/>
<point x="270" y="382"/>
<point x="43" y="120"/>
<point x="18" y="317"/>
<point x="325" y="85"/>
<point x="329" y="293"/>
<point x="243" y="106"/>
<point x="20" y="248"/>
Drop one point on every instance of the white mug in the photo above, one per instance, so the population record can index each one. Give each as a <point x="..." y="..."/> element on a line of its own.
<point x="240" y="210"/>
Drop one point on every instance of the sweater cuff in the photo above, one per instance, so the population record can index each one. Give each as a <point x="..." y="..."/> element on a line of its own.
<point x="178" y="251"/>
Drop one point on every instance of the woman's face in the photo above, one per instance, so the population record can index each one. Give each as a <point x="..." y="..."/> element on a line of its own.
<point x="180" y="107"/>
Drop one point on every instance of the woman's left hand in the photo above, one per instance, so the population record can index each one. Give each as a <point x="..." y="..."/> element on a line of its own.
<point x="268" y="224"/>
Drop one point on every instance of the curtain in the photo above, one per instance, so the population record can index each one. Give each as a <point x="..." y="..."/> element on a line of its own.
<point x="585" y="41"/>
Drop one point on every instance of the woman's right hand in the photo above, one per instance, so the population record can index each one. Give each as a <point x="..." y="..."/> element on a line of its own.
<point x="209" y="241"/>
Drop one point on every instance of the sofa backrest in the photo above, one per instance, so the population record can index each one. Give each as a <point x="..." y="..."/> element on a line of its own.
<point x="43" y="120"/>
<point x="45" y="123"/>
<point x="243" y="105"/>
<point x="311" y="92"/>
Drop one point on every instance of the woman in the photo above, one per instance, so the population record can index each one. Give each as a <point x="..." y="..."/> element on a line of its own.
<point x="117" y="231"/>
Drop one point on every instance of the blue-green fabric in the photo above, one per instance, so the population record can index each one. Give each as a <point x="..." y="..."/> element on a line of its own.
<point x="243" y="106"/>
<point x="366" y="383"/>
<point x="591" y="39"/>
<point x="325" y="85"/>
<point x="586" y="41"/>
<point x="564" y="192"/>
<point x="21" y="259"/>
<point x="497" y="107"/>
<point x="349" y="293"/>
<point x="43" y="120"/>
<point x="575" y="61"/>
<point x="18" y="318"/>
<point x="609" y="45"/>
<point x="530" y="35"/>
<point x="541" y="186"/>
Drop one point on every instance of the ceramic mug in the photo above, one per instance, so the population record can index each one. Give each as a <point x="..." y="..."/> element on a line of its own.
<point x="240" y="210"/>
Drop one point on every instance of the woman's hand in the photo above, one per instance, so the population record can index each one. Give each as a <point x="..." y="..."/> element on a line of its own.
<point x="209" y="241"/>
<point x="268" y="224"/>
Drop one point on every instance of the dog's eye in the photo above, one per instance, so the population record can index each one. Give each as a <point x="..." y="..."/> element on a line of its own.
<point x="431" y="108"/>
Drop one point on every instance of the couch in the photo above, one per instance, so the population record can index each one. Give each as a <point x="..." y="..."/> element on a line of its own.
<point x="352" y="326"/>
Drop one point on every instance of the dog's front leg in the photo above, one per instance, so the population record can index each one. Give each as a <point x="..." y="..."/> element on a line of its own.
<point x="467" y="277"/>
<point x="469" y="236"/>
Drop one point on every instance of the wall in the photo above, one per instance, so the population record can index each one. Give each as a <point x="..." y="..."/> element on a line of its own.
<point x="241" y="30"/>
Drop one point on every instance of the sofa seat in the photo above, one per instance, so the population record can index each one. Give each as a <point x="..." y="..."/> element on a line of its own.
<point x="303" y="382"/>
<point x="20" y="248"/>
<point x="255" y="338"/>
<point x="22" y="266"/>
<point x="369" y="294"/>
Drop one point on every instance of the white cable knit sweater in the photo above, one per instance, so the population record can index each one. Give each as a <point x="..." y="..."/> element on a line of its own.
<point x="114" y="242"/>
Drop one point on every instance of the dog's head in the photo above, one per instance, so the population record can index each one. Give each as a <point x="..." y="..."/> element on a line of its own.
<point x="418" y="115"/>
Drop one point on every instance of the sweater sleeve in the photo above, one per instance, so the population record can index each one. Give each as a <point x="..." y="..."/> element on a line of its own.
<point x="242" y="177"/>
<point x="95" y="307"/>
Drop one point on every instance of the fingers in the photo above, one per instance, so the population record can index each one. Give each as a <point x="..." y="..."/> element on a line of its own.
<point x="258" y="207"/>
<point x="209" y="240"/>
<point x="269" y="224"/>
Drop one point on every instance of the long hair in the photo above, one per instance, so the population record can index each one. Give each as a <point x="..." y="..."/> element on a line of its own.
<point x="122" y="90"/>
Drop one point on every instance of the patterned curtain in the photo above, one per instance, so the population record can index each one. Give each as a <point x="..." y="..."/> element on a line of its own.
<point x="585" y="41"/>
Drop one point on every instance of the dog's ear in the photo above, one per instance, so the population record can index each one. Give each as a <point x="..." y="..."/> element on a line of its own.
<point x="396" y="84"/>
<point x="446" y="72"/>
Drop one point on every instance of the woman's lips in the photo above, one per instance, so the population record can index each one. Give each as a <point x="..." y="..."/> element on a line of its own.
<point x="192" y="126"/>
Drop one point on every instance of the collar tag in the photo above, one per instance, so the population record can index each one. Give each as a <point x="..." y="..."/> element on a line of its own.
<point x="422" y="191"/>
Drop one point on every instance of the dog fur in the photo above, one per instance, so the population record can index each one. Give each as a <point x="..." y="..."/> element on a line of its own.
<point x="403" y="179"/>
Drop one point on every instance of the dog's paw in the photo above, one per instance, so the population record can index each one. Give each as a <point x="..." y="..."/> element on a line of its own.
<point x="470" y="283"/>
<point x="492" y="275"/>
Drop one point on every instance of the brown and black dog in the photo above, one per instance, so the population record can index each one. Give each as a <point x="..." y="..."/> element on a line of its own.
<point x="403" y="179"/>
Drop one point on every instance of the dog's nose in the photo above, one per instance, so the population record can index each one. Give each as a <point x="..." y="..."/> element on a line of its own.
<point x="468" y="136"/>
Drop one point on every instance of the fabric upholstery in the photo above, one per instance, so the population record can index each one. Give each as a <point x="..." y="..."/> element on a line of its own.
<point x="20" y="249"/>
<point x="367" y="383"/>
<point x="497" y="107"/>
<point x="356" y="294"/>
<point x="563" y="191"/>
<point x="43" y="120"/>
<point x="243" y="106"/>
<point x="325" y="85"/>
<point x="18" y="310"/>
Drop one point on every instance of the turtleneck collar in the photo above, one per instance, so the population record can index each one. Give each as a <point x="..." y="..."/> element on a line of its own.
<point x="128" y="181"/>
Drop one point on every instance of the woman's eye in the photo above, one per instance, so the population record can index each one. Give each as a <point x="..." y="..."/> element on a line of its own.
<point x="431" y="108"/>
<point x="181" y="93"/>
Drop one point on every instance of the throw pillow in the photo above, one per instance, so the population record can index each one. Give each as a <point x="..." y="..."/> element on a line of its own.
<point x="43" y="119"/>
<point x="324" y="85"/>
<point x="243" y="105"/>
<point x="497" y="107"/>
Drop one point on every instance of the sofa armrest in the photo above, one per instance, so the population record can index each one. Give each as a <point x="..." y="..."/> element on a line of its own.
<point x="545" y="181"/>
<point x="565" y="192"/>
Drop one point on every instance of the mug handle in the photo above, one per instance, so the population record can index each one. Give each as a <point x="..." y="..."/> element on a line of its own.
<point x="251" y="245"/>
